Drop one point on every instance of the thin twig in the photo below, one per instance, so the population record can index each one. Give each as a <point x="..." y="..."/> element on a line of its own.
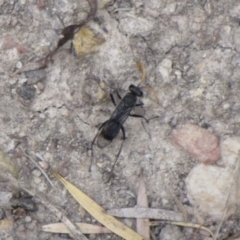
<point x="39" y="167"/>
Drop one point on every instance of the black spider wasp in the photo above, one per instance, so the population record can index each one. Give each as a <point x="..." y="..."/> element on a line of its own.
<point x="110" y="128"/>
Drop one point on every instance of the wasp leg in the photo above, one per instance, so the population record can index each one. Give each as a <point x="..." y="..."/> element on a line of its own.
<point x="93" y="141"/>
<point x="141" y="116"/>
<point x="147" y="120"/>
<point x="113" y="101"/>
<point x="112" y="98"/>
<point x="119" y="96"/>
<point x="111" y="173"/>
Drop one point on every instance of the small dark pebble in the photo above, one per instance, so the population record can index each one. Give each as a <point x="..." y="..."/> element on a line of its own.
<point x="64" y="236"/>
<point x="26" y="91"/>
<point x="108" y="176"/>
<point x="19" y="212"/>
<point x="24" y="203"/>
<point x="2" y="213"/>
<point x="132" y="202"/>
<point x="173" y="122"/>
<point x="206" y="125"/>
<point x="35" y="76"/>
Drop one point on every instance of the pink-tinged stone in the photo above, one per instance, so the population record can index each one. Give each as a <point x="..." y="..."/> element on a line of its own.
<point x="40" y="4"/>
<point x="22" y="49"/>
<point x="198" y="142"/>
<point x="8" y="43"/>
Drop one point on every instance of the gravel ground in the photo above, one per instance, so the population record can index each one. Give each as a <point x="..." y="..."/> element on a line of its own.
<point x="190" y="50"/>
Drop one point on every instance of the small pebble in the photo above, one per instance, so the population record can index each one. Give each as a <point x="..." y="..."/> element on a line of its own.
<point x="35" y="76"/>
<point x="40" y="86"/>
<point x="230" y="148"/>
<point x="26" y="91"/>
<point x="28" y="219"/>
<point x="31" y="115"/>
<point x="64" y="111"/>
<point x="171" y="232"/>
<point x="20" y="212"/>
<point x="2" y="213"/>
<point x="37" y="180"/>
<point x="36" y="173"/>
<point x="23" y="203"/>
<point x="12" y="81"/>
<point x="129" y="222"/>
<point x="198" y="142"/>
<point x="42" y="116"/>
<point x="19" y="65"/>
<point x="43" y="165"/>
<point x="42" y="187"/>
<point x="22" y="80"/>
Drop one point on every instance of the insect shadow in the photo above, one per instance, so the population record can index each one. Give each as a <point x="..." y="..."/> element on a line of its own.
<point x="111" y="128"/>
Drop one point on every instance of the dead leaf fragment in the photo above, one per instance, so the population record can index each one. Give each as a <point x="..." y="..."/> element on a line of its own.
<point x="98" y="212"/>
<point x="151" y="213"/>
<point x="181" y="208"/>
<point x="84" y="228"/>
<point x="142" y="201"/>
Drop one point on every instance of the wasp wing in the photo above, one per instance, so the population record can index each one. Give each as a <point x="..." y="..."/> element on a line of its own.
<point x="109" y="131"/>
<point x="121" y="113"/>
<point x="102" y="142"/>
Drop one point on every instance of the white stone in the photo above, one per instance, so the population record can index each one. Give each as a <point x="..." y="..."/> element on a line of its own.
<point x="165" y="69"/>
<point x="133" y="25"/>
<point x="52" y="112"/>
<point x="235" y="11"/>
<point x="12" y="81"/>
<point x="167" y="63"/>
<point x="64" y="111"/>
<point x="170" y="232"/>
<point x="37" y="180"/>
<point x="230" y="151"/>
<point x="208" y="188"/>
<point x="164" y="73"/>
<point x="22" y="80"/>
<point x="154" y="4"/>
<point x="170" y="8"/>
<point x="28" y="219"/>
<point x="12" y="54"/>
<point x="19" y="65"/>
<point x="36" y="173"/>
<point x="5" y="197"/>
